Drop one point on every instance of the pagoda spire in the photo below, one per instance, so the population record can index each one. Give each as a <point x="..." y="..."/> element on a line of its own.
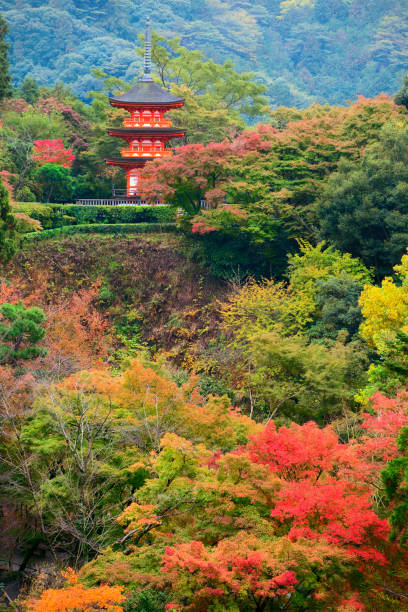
<point x="148" y="53"/>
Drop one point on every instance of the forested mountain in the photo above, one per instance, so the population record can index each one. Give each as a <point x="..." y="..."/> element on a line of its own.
<point x="304" y="50"/>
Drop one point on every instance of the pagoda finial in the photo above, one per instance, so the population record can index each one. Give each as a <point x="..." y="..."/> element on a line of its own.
<point x="148" y="53"/>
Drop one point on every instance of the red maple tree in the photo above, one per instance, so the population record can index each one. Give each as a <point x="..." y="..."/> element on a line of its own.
<point x="52" y="151"/>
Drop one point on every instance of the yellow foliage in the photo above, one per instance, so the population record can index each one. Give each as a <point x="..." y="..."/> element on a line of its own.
<point x="265" y="306"/>
<point x="317" y="263"/>
<point x="385" y="308"/>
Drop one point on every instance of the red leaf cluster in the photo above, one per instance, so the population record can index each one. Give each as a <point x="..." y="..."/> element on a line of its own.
<point x="52" y="151"/>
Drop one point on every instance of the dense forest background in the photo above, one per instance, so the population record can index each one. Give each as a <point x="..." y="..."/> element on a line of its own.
<point x="305" y="51"/>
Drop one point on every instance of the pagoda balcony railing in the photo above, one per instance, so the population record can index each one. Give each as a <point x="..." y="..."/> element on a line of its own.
<point x="140" y="123"/>
<point x="116" y="201"/>
<point x="136" y="153"/>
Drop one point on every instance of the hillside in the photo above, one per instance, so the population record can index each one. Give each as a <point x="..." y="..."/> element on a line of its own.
<point x="150" y="294"/>
<point x="304" y="50"/>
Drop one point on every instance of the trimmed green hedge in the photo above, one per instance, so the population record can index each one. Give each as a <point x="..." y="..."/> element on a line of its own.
<point x="49" y="215"/>
<point x="58" y="215"/>
<point x="102" y="228"/>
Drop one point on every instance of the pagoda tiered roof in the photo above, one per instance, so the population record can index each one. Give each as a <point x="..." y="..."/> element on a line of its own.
<point x="146" y="93"/>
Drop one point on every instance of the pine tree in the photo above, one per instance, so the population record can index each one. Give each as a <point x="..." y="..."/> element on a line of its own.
<point x="5" y="79"/>
<point x="21" y="329"/>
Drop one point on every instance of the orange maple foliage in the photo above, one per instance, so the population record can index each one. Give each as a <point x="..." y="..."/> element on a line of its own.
<point x="75" y="332"/>
<point x="9" y="294"/>
<point x="15" y="393"/>
<point x="76" y="598"/>
<point x="159" y="405"/>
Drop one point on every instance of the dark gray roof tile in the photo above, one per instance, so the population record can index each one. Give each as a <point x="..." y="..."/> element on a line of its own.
<point x="147" y="92"/>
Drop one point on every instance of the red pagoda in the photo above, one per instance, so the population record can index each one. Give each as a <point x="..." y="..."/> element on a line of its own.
<point x="146" y="131"/>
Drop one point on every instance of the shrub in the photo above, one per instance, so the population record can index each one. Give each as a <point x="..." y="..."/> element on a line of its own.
<point x="96" y="228"/>
<point x="59" y="215"/>
<point x="50" y="216"/>
<point x="116" y="214"/>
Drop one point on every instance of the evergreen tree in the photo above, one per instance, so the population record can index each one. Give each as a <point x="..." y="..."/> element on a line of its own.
<point x="338" y="309"/>
<point x="5" y="79"/>
<point x="30" y="90"/>
<point x="363" y="210"/>
<point x="20" y="332"/>
<point x="395" y="480"/>
<point x="7" y="226"/>
<point x="55" y="183"/>
<point x="401" y="98"/>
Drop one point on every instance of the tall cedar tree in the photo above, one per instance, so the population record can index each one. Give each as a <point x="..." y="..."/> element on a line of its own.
<point x="5" y="79"/>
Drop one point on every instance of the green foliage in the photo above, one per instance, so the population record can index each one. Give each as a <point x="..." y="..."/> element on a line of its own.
<point x="80" y="478"/>
<point x="271" y="351"/>
<point x="55" y="183"/>
<point x="50" y="216"/>
<point x="338" y="308"/>
<point x="303" y="381"/>
<point x="5" y="79"/>
<point x="395" y="479"/>
<point x="54" y="215"/>
<point x="18" y="132"/>
<point x="389" y="373"/>
<point x="210" y="82"/>
<point x="217" y="96"/>
<point x="363" y="209"/>
<point x="332" y="281"/>
<point x="402" y="96"/>
<point x="7" y="227"/>
<point x="29" y="90"/>
<point x="117" y="214"/>
<point x="230" y="253"/>
<point x="114" y="229"/>
<point x="147" y="600"/>
<point x="21" y="329"/>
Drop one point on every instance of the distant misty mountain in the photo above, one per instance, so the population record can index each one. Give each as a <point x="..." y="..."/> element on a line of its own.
<point x="304" y="50"/>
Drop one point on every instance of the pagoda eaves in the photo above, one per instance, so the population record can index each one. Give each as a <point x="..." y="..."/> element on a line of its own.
<point x="147" y="94"/>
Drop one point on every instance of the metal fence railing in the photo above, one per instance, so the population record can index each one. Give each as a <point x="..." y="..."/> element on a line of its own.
<point x="123" y="200"/>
